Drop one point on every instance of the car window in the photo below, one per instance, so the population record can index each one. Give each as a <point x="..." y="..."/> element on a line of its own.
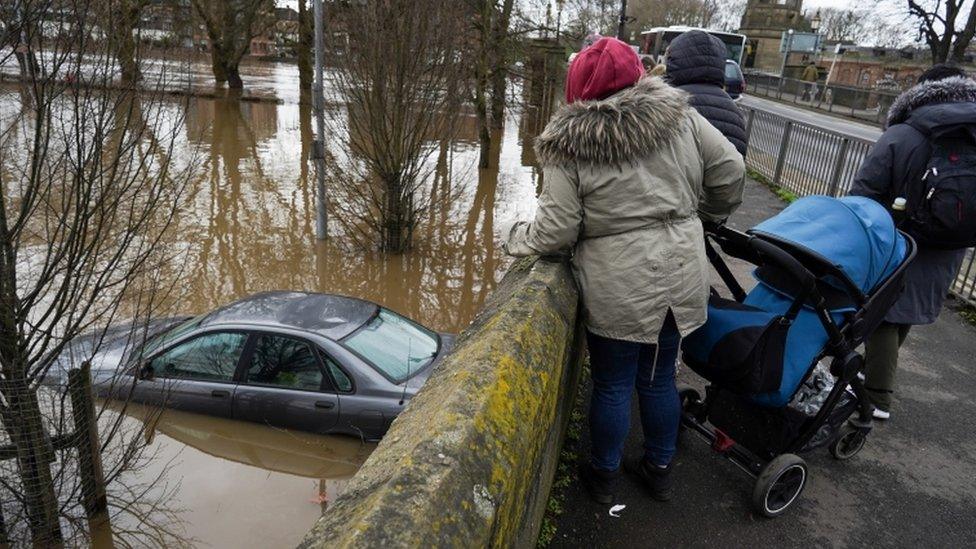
<point x="342" y="381"/>
<point x="280" y="361"/>
<point x="394" y="345"/>
<point x="172" y="334"/>
<point x="211" y="357"/>
<point x="731" y="71"/>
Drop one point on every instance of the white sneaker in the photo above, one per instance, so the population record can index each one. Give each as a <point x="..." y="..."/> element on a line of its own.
<point x="880" y="414"/>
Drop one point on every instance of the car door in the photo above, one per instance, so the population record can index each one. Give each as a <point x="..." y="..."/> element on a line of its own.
<point x="284" y="384"/>
<point x="197" y="375"/>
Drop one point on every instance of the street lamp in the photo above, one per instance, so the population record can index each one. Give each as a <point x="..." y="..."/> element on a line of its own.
<point x="815" y="22"/>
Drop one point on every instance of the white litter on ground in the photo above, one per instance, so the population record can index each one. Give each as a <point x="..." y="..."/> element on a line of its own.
<point x="616" y="509"/>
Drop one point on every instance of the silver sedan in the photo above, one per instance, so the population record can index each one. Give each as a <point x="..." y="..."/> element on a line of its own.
<point x="313" y="362"/>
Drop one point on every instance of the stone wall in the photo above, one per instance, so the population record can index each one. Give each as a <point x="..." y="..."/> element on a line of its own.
<point x="470" y="461"/>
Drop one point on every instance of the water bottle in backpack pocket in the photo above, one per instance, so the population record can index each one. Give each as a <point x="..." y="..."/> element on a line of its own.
<point x="942" y="208"/>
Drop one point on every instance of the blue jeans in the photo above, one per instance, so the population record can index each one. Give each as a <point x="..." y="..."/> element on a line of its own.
<point x="616" y="367"/>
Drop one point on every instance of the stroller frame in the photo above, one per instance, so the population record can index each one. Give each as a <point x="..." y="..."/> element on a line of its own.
<point x="780" y="480"/>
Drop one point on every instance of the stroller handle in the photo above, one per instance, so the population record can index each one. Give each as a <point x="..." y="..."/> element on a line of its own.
<point x="773" y="254"/>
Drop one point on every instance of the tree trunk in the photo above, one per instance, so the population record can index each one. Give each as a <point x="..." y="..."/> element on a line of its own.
<point x="500" y="59"/>
<point x="234" y="81"/>
<point x="218" y="63"/>
<point x="304" y="46"/>
<point x="127" y="61"/>
<point x="125" y="44"/>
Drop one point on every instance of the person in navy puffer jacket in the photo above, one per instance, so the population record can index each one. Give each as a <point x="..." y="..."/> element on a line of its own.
<point x="696" y="64"/>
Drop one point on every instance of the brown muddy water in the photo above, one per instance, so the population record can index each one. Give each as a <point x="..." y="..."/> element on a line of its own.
<point x="246" y="225"/>
<point x="237" y="484"/>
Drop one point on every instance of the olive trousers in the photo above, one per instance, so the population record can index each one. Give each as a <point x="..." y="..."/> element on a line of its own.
<point x="881" y="362"/>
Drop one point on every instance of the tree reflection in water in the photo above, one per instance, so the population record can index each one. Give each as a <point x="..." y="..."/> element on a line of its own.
<point x="247" y="225"/>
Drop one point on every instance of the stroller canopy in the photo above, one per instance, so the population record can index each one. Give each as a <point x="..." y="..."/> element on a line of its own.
<point x="855" y="234"/>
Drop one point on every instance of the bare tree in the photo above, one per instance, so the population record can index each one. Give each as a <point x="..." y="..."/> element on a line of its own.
<point x="946" y="26"/>
<point x="230" y="26"/>
<point x="86" y="195"/>
<point x="120" y="19"/>
<point x="396" y="100"/>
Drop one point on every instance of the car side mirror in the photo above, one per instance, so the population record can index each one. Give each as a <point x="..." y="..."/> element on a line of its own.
<point x="147" y="373"/>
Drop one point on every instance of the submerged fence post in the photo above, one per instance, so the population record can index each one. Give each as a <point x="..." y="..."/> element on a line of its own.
<point x="93" y="496"/>
<point x="783" y="147"/>
<point x="318" y="103"/>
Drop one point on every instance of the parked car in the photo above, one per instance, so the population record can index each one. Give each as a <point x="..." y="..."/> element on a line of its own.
<point x="735" y="81"/>
<point x="312" y="362"/>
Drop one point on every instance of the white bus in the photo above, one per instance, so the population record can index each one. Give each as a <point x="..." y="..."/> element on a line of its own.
<point x="655" y="42"/>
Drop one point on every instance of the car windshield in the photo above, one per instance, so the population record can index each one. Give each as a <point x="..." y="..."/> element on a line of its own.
<point x="394" y="345"/>
<point x="172" y="334"/>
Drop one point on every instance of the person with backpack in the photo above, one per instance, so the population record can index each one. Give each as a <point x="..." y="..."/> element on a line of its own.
<point x="923" y="168"/>
<point x="695" y="63"/>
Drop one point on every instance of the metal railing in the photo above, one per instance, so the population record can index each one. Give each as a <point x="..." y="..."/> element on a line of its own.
<point x="806" y="159"/>
<point x="859" y="103"/>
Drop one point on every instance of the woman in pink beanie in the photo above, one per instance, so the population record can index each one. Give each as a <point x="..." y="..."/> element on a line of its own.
<point x="630" y="171"/>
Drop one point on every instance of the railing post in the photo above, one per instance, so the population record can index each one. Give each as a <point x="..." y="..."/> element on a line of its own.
<point x="783" y="147"/>
<point x="749" y="118"/>
<point x="86" y="440"/>
<point x="838" y="167"/>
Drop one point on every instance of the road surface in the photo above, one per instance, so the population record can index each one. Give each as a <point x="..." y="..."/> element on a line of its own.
<point x="823" y="120"/>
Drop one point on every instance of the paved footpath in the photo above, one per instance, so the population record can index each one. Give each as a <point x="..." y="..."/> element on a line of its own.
<point x="913" y="485"/>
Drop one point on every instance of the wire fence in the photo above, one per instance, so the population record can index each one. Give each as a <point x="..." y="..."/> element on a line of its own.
<point x="859" y="103"/>
<point x="806" y="159"/>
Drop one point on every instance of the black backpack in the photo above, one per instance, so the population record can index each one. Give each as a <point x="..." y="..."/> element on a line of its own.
<point x="941" y="210"/>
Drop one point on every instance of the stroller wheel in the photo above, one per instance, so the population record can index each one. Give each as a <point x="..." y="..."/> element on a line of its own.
<point x="688" y="396"/>
<point x="848" y="444"/>
<point x="779" y="484"/>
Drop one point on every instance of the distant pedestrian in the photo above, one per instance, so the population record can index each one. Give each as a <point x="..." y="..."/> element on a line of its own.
<point x="629" y="169"/>
<point x="810" y="75"/>
<point x="695" y="63"/>
<point x="926" y="156"/>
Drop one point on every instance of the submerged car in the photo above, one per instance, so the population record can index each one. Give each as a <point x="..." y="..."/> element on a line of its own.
<point x="312" y="362"/>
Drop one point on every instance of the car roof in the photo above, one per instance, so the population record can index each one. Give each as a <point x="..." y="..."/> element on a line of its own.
<point x="333" y="316"/>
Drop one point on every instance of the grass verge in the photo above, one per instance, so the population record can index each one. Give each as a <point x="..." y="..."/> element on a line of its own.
<point x="566" y="469"/>
<point x="785" y="195"/>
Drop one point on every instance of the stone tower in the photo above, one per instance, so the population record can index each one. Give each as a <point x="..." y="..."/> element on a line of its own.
<point x="763" y="24"/>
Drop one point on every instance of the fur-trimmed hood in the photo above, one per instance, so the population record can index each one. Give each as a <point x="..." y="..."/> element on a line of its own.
<point x="957" y="89"/>
<point x="624" y="127"/>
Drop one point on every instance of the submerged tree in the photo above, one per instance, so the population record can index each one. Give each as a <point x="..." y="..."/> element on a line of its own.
<point x="87" y="191"/>
<point x="397" y="100"/>
<point x="230" y="26"/>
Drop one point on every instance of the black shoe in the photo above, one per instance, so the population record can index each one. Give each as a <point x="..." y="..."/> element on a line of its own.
<point x="598" y="484"/>
<point x="657" y="479"/>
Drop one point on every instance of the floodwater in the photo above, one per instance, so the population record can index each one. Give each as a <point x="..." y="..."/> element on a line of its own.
<point x="245" y="225"/>
<point x="237" y="484"/>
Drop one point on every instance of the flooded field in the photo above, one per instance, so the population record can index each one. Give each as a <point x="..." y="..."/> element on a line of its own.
<point x="246" y="225"/>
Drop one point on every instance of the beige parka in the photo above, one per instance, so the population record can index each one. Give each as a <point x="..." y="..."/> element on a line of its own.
<point x="626" y="180"/>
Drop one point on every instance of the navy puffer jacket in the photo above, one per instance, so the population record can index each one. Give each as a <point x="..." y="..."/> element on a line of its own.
<point x="696" y="64"/>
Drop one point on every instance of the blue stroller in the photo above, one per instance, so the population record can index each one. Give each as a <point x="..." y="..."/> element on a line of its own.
<point x="828" y="270"/>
